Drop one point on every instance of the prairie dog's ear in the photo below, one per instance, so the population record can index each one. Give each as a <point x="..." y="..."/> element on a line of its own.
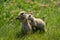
<point x="22" y="12"/>
<point x="29" y="15"/>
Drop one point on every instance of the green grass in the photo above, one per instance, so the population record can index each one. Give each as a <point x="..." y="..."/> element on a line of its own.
<point x="9" y="26"/>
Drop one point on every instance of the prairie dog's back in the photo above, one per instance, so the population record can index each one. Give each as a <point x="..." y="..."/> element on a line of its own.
<point x="39" y="21"/>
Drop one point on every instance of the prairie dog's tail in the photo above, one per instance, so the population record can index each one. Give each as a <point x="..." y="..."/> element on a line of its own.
<point x="43" y="18"/>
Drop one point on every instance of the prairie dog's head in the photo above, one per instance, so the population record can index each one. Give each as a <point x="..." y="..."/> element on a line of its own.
<point x="31" y="17"/>
<point x="22" y="15"/>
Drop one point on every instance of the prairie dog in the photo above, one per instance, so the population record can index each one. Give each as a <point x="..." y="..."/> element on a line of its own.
<point x="26" y="27"/>
<point x="36" y="23"/>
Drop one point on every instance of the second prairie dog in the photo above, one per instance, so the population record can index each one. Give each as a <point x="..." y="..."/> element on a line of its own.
<point x="36" y="23"/>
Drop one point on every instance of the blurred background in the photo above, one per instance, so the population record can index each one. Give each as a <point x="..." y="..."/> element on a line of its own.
<point x="9" y="26"/>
